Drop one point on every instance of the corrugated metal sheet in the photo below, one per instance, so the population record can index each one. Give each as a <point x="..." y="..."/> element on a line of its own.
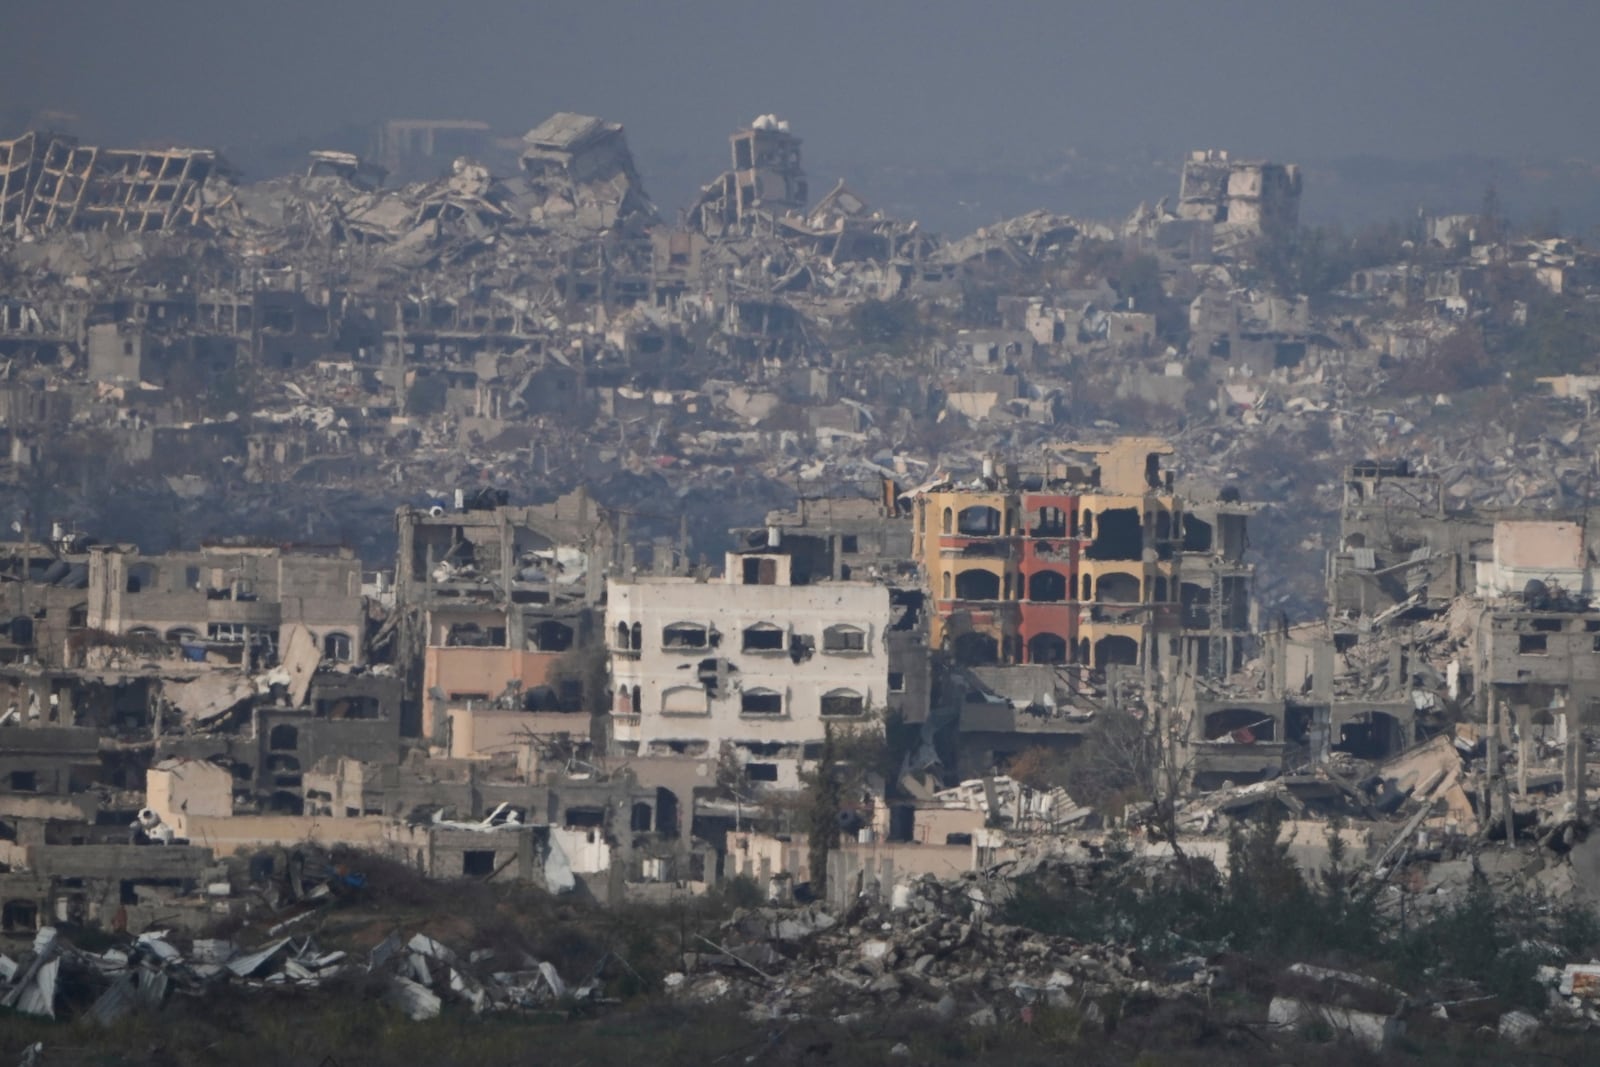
<point x="1366" y="559"/>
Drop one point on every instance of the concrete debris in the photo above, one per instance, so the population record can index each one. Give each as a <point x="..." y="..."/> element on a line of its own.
<point x="1517" y="1026"/>
<point x="1009" y="803"/>
<point x="1370" y="1030"/>
<point x="414" y="998"/>
<point x="139" y="974"/>
<point x="939" y="953"/>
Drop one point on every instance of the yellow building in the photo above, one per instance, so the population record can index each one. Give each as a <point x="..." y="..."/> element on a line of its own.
<point x="1079" y="563"/>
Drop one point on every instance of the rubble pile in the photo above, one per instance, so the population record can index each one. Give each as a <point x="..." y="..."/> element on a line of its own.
<point x="933" y="946"/>
<point x="417" y="975"/>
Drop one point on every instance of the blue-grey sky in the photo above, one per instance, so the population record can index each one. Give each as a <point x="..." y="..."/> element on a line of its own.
<point x="863" y="81"/>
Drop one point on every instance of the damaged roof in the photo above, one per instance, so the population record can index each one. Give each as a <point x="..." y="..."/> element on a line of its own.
<point x="566" y="131"/>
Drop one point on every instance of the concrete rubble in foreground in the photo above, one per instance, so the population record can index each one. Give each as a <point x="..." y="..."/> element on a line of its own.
<point x="932" y="946"/>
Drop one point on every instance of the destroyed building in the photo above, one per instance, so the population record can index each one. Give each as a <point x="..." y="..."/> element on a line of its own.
<point x="869" y="539"/>
<point x="762" y="661"/>
<point x="1096" y="564"/>
<point x="582" y="167"/>
<point x="765" y="177"/>
<point x="230" y="601"/>
<point x="49" y="181"/>
<point x="1255" y="198"/>
<point x="494" y="600"/>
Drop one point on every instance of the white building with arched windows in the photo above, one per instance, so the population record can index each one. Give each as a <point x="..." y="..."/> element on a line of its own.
<point x="751" y="660"/>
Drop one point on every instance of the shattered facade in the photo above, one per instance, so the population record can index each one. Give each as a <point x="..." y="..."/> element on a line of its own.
<point x="1250" y="197"/>
<point x="1101" y="564"/>
<point x="762" y="660"/>
<point x="49" y="181"/>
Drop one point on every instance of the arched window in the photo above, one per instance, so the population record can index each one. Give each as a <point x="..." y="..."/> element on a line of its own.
<point x="1116" y="649"/>
<point x="1047" y="587"/>
<point x="976" y="649"/>
<point x="636" y="637"/>
<point x="977" y="584"/>
<point x="978" y="521"/>
<point x="622" y="637"/>
<point x="1087" y="594"/>
<point x="684" y="635"/>
<point x="760" y="702"/>
<point x="1117" y="588"/>
<point x="948" y="517"/>
<point x="843" y="703"/>
<point x="844" y="638"/>
<point x="1088" y="524"/>
<point x="179" y="634"/>
<point x="946" y="593"/>
<point x="336" y="647"/>
<point x="763" y="637"/>
<point x="1047" y="648"/>
<point x="284" y="738"/>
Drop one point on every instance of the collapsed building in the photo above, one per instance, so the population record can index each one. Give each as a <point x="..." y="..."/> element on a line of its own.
<point x="49" y="181"/>
<point x="495" y="601"/>
<point x="1250" y="197"/>
<point x="1094" y="565"/>
<point x="766" y="178"/>
<point x="582" y="167"/>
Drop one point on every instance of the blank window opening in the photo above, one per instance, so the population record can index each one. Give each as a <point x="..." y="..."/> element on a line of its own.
<point x="477" y="863"/>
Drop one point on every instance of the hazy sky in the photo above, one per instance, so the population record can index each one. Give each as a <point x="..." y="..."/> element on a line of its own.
<point x="926" y="80"/>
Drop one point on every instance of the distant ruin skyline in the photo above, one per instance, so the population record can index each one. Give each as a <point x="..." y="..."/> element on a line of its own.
<point x="871" y="82"/>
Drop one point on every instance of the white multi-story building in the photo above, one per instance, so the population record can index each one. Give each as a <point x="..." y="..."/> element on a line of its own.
<point x="750" y="660"/>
